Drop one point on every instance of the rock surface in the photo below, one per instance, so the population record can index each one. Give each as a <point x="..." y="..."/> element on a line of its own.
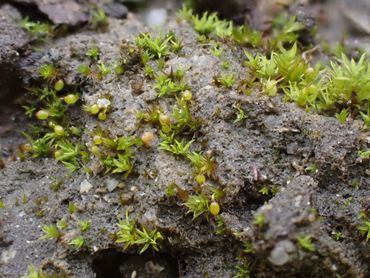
<point x="72" y="12"/>
<point x="272" y="147"/>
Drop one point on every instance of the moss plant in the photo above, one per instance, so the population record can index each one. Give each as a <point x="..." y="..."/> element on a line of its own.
<point x="305" y="242"/>
<point x="38" y="30"/>
<point x="156" y="48"/>
<point x="99" y="19"/>
<point x="198" y="205"/>
<point x="226" y="80"/>
<point x="130" y="235"/>
<point x="50" y="232"/>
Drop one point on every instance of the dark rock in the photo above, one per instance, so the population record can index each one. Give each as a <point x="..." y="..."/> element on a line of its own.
<point x="231" y="9"/>
<point x="12" y="36"/>
<point x="115" y="10"/>
<point x="12" y="39"/>
<point x="69" y="12"/>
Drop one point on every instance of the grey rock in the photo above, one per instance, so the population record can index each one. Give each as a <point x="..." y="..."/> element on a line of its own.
<point x="280" y="254"/>
<point x="248" y="155"/>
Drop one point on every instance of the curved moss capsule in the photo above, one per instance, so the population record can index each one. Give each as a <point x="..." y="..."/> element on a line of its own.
<point x="214" y="208"/>
<point x="42" y="114"/>
<point x="102" y="116"/>
<point x="71" y="99"/>
<point x="94" y="109"/>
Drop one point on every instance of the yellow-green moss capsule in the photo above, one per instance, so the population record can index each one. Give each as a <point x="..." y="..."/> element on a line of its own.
<point x="118" y="70"/>
<point x="95" y="150"/>
<point x="59" y="130"/>
<point x="59" y="85"/>
<point x="75" y="130"/>
<point x="164" y="120"/>
<point x="102" y="116"/>
<point x="42" y="114"/>
<point x="214" y="208"/>
<point x="94" y="109"/>
<point x="187" y="95"/>
<point x="200" y="179"/>
<point x="71" y="98"/>
<point x="97" y="140"/>
<point x="58" y="154"/>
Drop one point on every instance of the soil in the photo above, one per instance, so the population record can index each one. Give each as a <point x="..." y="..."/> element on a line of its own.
<point x="272" y="147"/>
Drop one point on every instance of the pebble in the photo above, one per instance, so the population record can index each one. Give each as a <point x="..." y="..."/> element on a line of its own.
<point x="111" y="184"/>
<point x="85" y="186"/>
<point x="280" y="254"/>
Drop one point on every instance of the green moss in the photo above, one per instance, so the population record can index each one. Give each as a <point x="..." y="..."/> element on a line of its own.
<point x="39" y="31"/>
<point x="130" y="235"/>
<point x="305" y="242"/>
<point x="198" y="205"/>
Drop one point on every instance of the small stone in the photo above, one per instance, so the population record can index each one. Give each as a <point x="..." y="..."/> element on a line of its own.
<point x="7" y="256"/>
<point x="156" y="17"/>
<point x="111" y="184"/>
<point x="280" y="254"/>
<point x="103" y="103"/>
<point x="85" y="186"/>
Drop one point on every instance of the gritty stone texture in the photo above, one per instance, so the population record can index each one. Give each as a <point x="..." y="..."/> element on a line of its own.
<point x="72" y="12"/>
<point x="12" y="40"/>
<point x="272" y="146"/>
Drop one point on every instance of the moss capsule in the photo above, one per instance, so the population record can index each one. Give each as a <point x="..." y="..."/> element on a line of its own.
<point x="59" y="85"/>
<point x="214" y="208"/>
<point x="119" y="70"/>
<point x="164" y="120"/>
<point x="59" y="130"/>
<point x="75" y="130"/>
<point x="42" y="114"/>
<point x="200" y="179"/>
<point x="94" y="109"/>
<point x="71" y="99"/>
<point x="148" y="138"/>
<point x="58" y="154"/>
<point x="95" y="150"/>
<point x="97" y="140"/>
<point x="102" y="116"/>
<point x="187" y="95"/>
